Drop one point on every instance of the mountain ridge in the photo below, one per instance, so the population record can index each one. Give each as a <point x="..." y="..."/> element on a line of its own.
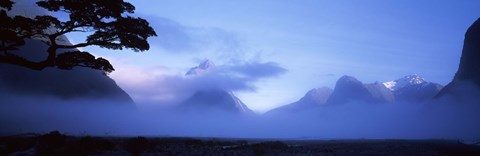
<point x="410" y="88"/>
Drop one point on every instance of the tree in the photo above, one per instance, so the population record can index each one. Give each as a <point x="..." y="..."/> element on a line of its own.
<point x="107" y="22"/>
<point x="14" y="30"/>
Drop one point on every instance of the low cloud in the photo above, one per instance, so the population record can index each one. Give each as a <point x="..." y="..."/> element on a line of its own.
<point x="448" y="118"/>
<point x="158" y="85"/>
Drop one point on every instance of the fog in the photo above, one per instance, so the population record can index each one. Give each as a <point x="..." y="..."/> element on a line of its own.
<point x="454" y="116"/>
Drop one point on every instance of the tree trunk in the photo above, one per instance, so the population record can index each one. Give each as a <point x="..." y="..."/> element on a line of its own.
<point x="52" y="54"/>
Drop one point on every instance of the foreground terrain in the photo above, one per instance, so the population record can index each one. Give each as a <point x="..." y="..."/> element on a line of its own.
<point x="55" y="143"/>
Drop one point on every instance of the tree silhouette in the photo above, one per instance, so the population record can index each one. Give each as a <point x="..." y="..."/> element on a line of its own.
<point x="107" y="22"/>
<point x="15" y="30"/>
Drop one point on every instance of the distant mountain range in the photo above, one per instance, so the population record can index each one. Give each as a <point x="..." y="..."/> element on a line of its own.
<point x="348" y="89"/>
<point x="411" y="88"/>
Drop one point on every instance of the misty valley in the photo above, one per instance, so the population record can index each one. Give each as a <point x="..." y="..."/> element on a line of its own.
<point x="58" y="98"/>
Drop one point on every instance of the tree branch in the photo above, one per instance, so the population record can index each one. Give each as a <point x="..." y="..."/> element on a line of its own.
<point x="74" y="46"/>
<point x="16" y="60"/>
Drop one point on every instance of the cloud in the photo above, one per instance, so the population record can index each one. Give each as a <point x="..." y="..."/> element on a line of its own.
<point x="326" y="75"/>
<point x="172" y="36"/>
<point x="178" y="38"/>
<point x="444" y="118"/>
<point x="158" y="85"/>
<point x="257" y="70"/>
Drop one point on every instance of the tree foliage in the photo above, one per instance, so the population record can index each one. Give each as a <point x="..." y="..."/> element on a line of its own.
<point x="107" y="23"/>
<point x="7" y="4"/>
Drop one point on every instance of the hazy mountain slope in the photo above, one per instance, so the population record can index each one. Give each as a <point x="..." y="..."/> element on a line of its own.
<point x="316" y="97"/>
<point x="78" y="83"/>
<point x="212" y="99"/>
<point x="349" y="89"/>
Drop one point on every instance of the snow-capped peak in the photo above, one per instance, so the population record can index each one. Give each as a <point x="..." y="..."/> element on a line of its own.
<point x="201" y="69"/>
<point x="405" y="81"/>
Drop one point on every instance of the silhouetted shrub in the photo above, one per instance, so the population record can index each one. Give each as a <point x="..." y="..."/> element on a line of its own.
<point x="50" y="143"/>
<point x="242" y="143"/>
<point x="267" y="147"/>
<point x="15" y="144"/>
<point x="138" y="145"/>
<point x="90" y="145"/>
<point x="271" y="145"/>
<point x="194" y="143"/>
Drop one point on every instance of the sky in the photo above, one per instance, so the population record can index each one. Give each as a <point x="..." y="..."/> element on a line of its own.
<point x="269" y="53"/>
<point x="274" y="51"/>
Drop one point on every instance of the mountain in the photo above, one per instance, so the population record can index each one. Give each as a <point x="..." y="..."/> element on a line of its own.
<point x="349" y="89"/>
<point x="413" y="88"/>
<point x="469" y="67"/>
<point x="201" y="69"/>
<point x="317" y="96"/>
<point x="312" y="99"/>
<point x="212" y="99"/>
<point x="220" y="100"/>
<point x="78" y="83"/>
<point x="406" y="81"/>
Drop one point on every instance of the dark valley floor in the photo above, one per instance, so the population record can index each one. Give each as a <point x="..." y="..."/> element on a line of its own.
<point x="55" y="143"/>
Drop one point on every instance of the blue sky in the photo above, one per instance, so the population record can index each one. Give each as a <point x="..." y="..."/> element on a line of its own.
<point x="315" y="42"/>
